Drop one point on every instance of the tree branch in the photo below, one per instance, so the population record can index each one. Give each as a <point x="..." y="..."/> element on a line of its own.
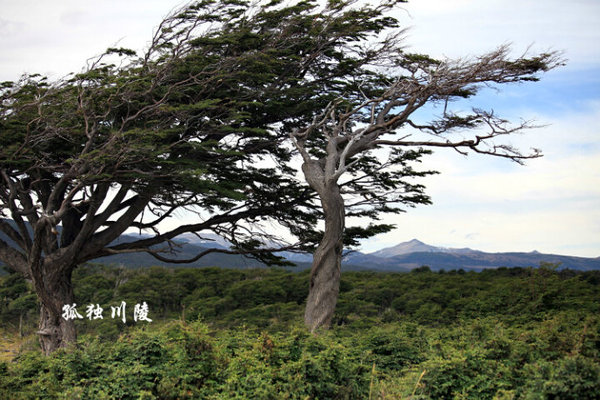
<point x="14" y="259"/>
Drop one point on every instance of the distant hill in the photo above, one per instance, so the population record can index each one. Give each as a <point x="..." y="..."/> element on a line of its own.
<point x="415" y="246"/>
<point x="401" y="257"/>
<point x="190" y="245"/>
<point x="413" y="254"/>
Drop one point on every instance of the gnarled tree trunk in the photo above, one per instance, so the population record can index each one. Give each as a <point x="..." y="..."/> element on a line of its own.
<point x="326" y="267"/>
<point x="54" y="290"/>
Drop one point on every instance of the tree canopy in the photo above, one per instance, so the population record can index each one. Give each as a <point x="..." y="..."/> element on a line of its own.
<point x="194" y="124"/>
<point x="207" y="121"/>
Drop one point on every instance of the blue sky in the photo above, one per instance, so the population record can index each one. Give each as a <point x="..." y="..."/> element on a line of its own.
<point x="551" y="205"/>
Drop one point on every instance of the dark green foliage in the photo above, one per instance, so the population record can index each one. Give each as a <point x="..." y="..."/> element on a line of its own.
<point x="18" y="302"/>
<point x="513" y="295"/>
<point x="394" y="347"/>
<point x="488" y="335"/>
<point x="571" y="378"/>
<point x="181" y="361"/>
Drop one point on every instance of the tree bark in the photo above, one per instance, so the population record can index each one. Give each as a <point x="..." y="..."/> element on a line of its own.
<point x="326" y="267"/>
<point x="54" y="291"/>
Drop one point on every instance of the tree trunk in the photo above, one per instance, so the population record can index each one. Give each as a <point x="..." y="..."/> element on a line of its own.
<point x="326" y="267"/>
<point x="54" y="292"/>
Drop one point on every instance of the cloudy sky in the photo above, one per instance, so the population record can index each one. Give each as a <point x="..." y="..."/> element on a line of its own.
<point x="551" y="205"/>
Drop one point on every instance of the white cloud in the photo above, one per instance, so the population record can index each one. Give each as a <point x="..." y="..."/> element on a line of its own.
<point x="58" y="37"/>
<point x="551" y="205"/>
<point x="83" y="28"/>
<point x="468" y="27"/>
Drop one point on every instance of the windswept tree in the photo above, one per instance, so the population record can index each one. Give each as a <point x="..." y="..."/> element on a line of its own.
<point x="194" y="125"/>
<point x="352" y="150"/>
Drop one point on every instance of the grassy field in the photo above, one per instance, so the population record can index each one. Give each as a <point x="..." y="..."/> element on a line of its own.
<point x="10" y="344"/>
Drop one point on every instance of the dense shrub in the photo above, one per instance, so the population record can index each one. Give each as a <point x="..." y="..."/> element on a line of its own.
<point x="180" y="361"/>
<point x="505" y="334"/>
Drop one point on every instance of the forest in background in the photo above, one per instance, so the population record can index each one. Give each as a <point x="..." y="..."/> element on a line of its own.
<point x="510" y="333"/>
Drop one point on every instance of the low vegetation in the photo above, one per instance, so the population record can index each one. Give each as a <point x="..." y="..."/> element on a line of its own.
<point x="238" y="334"/>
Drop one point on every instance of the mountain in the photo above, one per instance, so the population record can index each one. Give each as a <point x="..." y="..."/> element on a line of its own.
<point x="416" y="246"/>
<point x="188" y="247"/>
<point x="413" y="254"/>
<point x="209" y="240"/>
<point x="413" y="246"/>
<point x="401" y="257"/>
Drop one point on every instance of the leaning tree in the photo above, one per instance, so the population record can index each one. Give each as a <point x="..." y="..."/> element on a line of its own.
<point x="354" y="153"/>
<point x="128" y="146"/>
<point x="193" y="125"/>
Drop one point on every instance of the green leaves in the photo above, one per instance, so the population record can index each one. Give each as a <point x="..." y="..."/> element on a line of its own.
<point x="353" y="234"/>
<point x="121" y="51"/>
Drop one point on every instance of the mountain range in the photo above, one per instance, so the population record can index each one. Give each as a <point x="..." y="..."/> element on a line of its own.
<point x="414" y="253"/>
<point x="401" y="257"/>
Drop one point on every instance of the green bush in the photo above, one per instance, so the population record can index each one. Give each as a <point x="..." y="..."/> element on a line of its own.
<point x="179" y="361"/>
<point x="465" y="375"/>
<point x="504" y="334"/>
<point x="392" y="348"/>
<point x="571" y="378"/>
